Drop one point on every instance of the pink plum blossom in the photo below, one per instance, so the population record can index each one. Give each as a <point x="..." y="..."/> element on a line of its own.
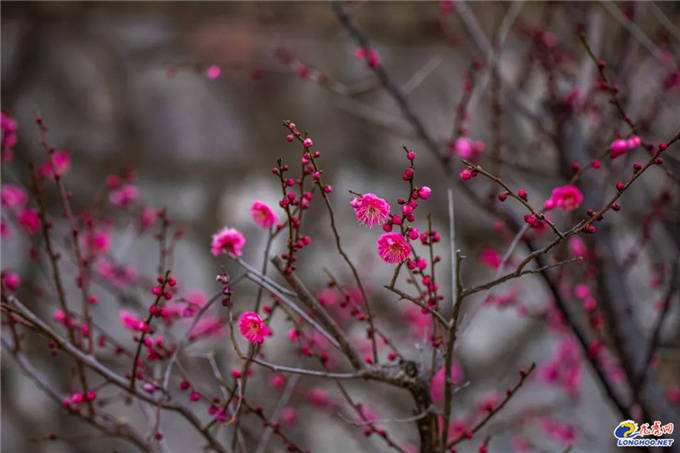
<point x="370" y="209"/>
<point x="565" y="198"/>
<point x="262" y="214"/>
<point x="437" y="383"/>
<point x="228" y="239"/>
<point x="393" y="248"/>
<point x="252" y="327"/>
<point x="13" y="196"/>
<point x="29" y="220"/>
<point x="123" y="196"/>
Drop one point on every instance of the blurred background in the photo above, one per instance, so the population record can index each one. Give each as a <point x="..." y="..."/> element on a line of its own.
<point x="126" y="85"/>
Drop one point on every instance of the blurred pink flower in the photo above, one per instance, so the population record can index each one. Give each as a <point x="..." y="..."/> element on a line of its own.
<point x="29" y="220"/>
<point x="490" y="257"/>
<point x="60" y="161"/>
<point x="13" y="196"/>
<point x="262" y="214"/>
<point x="123" y="196"/>
<point x="213" y="72"/>
<point x="10" y="280"/>
<point x="209" y="326"/>
<point x="565" y="198"/>
<point x="9" y="136"/>
<point x="131" y="321"/>
<point x="577" y="247"/>
<point x="437" y="383"/>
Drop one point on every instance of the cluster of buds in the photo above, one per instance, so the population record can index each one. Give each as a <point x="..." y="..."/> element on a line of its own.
<point x="224" y="280"/>
<point x="164" y="289"/>
<point x="296" y="203"/>
<point x="468" y="173"/>
<point x="72" y="402"/>
<point x="155" y="348"/>
<point x="535" y="221"/>
<point x="408" y="206"/>
<point x="302" y="69"/>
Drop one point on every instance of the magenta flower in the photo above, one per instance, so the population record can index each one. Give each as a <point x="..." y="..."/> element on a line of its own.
<point x="370" y="209"/>
<point x="371" y="56"/>
<point x="577" y="247"/>
<point x="29" y="220"/>
<point x="13" y="196"/>
<point x="566" y="198"/>
<point x="207" y="327"/>
<point x="213" y="72"/>
<point x="229" y="239"/>
<point x="262" y="214"/>
<point x="10" y="280"/>
<point x="620" y="146"/>
<point x="393" y="248"/>
<point x="131" y="321"/>
<point x="437" y="383"/>
<point x="9" y="136"/>
<point x="123" y="196"/>
<point x="252" y="327"/>
<point x="58" y="163"/>
<point x="466" y="148"/>
<point x="490" y="257"/>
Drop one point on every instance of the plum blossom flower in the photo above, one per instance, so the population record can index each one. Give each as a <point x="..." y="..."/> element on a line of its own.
<point x="490" y="257"/>
<point x="57" y="164"/>
<point x="8" y="125"/>
<point x="262" y="214"/>
<point x="370" y="209"/>
<point x="673" y="394"/>
<point x="372" y="57"/>
<point x="565" y="198"/>
<point x="97" y="242"/>
<point x="10" y="280"/>
<point x="124" y="196"/>
<point x="208" y="326"/>
<point x="488" y="401"/>
<point x="252" y="327"/>
<point x="147" y="217"/>
<point x="319" y="397"/>
<point x="118" y="276"/>
<point x="565" y="367"/>
<point x="577" y="247"/>
<point x="393" y="248"/>
<point x="563" y="433"/>
<point x="29" y="220"/>
<point x="213" y="72"/>
<point x="229" y="239"/>
<point x="437" y="383"/>
<point x="418" y="322"/>
<point x="132" y="322"/>
<point x="620" y="146"/>
<point x="13" y="196"/>
<point x="288" y="416"/>
<point x="466" y="148"/>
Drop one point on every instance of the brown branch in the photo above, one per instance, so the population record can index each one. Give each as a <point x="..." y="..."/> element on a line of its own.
<point x="513" y="275"/>
<point x="511" y="392"/>
<point x="656" y="331"/>
<point x="318" y="311"/>
<point x="92" y="363"/>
